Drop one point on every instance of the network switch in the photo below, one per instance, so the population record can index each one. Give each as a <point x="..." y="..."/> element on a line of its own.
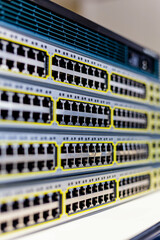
<point x="54" y="109"/>
<point x="33" y="155"/>
<point x="57" y="66"/>
<point x="32" y="204"/>
<point x="79" y="117"/>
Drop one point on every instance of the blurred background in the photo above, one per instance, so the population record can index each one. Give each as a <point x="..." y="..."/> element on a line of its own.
<point x="137" y="20"/>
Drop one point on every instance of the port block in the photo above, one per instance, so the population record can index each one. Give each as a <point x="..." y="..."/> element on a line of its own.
<point x="129" y="119"/>
<point x="27" y="158"/>
<point x="87" y="197"/>
<point x="29" y="211"/>
<point x="128" y="87"/>
<point x="18" y="58"/>
<point x="131" y="186"/>
<point x="83" y="155"/>
<point x="73" y="72"/>
<point x="83" y="114"/>
<point x="25" y="107"/>
<point x="130" y="152"/>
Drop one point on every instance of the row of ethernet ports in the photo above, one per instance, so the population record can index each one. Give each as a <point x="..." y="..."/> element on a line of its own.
<point x="35" y="62"/>
<point x="40" y="207"/>
<point x="32" y="108"/>
<point x="19" y="158"/>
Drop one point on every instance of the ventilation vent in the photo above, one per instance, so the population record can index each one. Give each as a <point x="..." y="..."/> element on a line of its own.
<point x="35" y="18"/>
<point x="29" y="15"/>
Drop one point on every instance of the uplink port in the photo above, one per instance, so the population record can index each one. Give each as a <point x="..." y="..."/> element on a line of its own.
<point x="39" y="108"/>
<point x="38" y="158"/>
<point x="133" y="185"/>
<point x="89" y="196"/>
<point x="86" y="117"/>
<point x="129" y="119"/>
<point x="29" y="211"/>
<point x="71" y="71"/>
<point x="32" y="61"/>
<point x="86" y="155"/>
<point x="128" y="87"/>
<point x="131" y="152"/>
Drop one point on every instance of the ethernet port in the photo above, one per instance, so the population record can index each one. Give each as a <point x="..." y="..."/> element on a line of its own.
<point x="50" y="164"/>
<point x="20" y="66"/>
<point x="9" y="150"/>
<point x="75" y="206"/>
<point x="67" y="106"/>
<point x="36" y="217"/>
<point x="46" y="198"/>
<point x="4" y="114"/>
<point x="31" y="166"/>
<point x="100" y="187"/>
<point x="82" y="191"/>
<point x="77" y="80"/>
<point x="40" y="71"/>
<point x="26" y="220"/>
<point x="74" y="106"/>
<point x="40" y="165"/>
<point x="31" y="68"/>
<point x="20" y="167"/>
<point x="55" y="74"/>
<point x="50" y="149"/>
<point x="26" y="203"/>
<point x="46" y="102"/>
<point x="100" y="199"/>
<point x="94" y="201"/>
<point x="16" y="98"/>
<point x="36" y="101"/>
<point x="45" y="215"/>
<point x="88" y="108"/>
<point x="41" y="149"/>
<point x="64" y="149"/>
<point x="3" y="207"/>
<point x="4" y="96"/>
<point x="81" y="107"/>
<point x="41" y="56"/>
<point x="88" y="189"/>
<point x="36" y="116"/>
<point x="91" y="161"/>
<point x="15" y="115"/>
<point x="85" y="148"/>
<point x="75" y="192"/>
<point x="71" y="148"/>
<point x="82" y="204"/>
<point x="78" y="148"/>
<point x="63" y="163"/>
<point x="10" y="64"/>
<point x="90" y="83"/>
<point x="15" y="205"/>
<point x="3" y="226"/>
<point x="67" y="119"/>
<point x="9" y="167"/>
<point x="78" y="162"/>
<point x="26" y="100"/>
<point x="21" y="51"/>
<point x="10" y="47"/>
<point x="26" y="116"/>
<point x="46" y="117"/>
<point x="94" y="188"/>
<point x="88" y="202"/>
<point x="31" y="150"/>
<point x="84" y="82"/>
<point x="70" y="162"/>
<point x="31" y="54"/>
<point x="55" y="61"/>
<point x="68" y="208"/>
<point x="84" y="161"/>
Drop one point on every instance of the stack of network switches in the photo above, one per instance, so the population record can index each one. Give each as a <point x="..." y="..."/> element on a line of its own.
<point x="79" y="117"/>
